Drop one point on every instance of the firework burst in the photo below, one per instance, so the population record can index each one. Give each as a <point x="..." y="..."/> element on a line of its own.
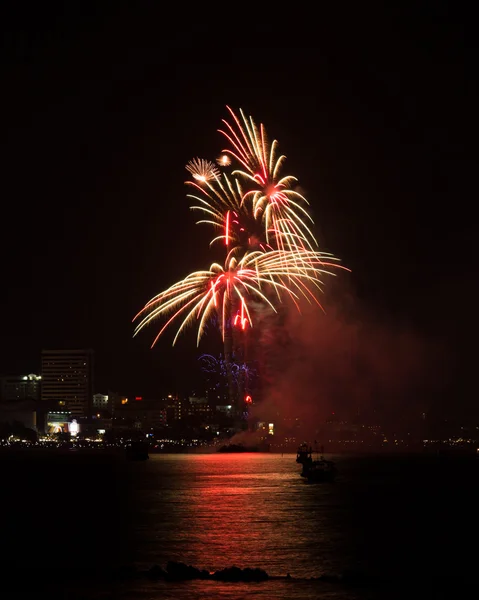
<point x="202" y="170"/>
<point x="224" y="289"/>
<point x="271" y="197"/>
<point x="266" y="232"/>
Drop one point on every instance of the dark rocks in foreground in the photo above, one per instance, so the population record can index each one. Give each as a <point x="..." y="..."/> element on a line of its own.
<point x="178" y="571"/>
<point x="237" y="574"/>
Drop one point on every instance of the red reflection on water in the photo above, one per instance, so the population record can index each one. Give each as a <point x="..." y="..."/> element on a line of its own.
<point x="236" y="485"/>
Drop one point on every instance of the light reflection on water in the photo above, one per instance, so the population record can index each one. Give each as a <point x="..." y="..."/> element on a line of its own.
<point x="397" y="519"/>
<point x="215" y="511"/>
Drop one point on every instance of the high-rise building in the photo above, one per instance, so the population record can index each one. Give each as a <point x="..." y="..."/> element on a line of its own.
<point x="174" y="410"/>
<point x="20" y="387"/>
<point x="67" y="380"/>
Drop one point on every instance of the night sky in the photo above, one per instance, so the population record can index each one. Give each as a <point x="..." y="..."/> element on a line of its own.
<point x="102" y="112"/>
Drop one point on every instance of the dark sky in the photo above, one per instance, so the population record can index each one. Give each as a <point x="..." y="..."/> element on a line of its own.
<point x="102" y="111"/>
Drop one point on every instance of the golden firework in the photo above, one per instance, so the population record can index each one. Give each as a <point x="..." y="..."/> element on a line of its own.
<point x="202" y="170"/>
<point x="218" y="290"/>
<point x="224" y="160"/>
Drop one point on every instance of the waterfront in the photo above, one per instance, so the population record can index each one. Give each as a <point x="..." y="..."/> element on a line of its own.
<point x="392" y="523"/>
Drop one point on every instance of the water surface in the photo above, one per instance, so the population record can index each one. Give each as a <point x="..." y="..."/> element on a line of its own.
<point x="396" y="526"/>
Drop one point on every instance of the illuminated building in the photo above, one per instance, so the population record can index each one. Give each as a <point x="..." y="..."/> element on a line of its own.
<point x="174" y="408"/>
<point x="67" y="380"/>
<point x="100" y="402"/>
<point x="20" y="387"/>
<point x="198" y="407"/>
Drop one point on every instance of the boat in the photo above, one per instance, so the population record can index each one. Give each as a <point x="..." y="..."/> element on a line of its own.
<point x="315" y="470"/>
<point x="137" y="451"/>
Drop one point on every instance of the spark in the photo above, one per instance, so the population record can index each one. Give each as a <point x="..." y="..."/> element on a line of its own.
<point x="224" y="160"/>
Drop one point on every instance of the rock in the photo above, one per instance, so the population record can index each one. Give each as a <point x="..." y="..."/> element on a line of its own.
<point x="180" y="572"/>
<point x="237" y="574"/>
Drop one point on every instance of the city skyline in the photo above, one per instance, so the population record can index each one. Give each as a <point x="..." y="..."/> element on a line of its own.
<point x="377" y="140"/>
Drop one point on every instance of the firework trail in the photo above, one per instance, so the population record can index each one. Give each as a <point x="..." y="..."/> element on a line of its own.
<point x="223" y="288"/>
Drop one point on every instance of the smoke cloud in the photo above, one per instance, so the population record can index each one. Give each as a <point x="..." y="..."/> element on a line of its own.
<point x="345" y="363"/>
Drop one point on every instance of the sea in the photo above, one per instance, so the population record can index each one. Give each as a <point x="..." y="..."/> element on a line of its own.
<point x="90" y="526"/>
